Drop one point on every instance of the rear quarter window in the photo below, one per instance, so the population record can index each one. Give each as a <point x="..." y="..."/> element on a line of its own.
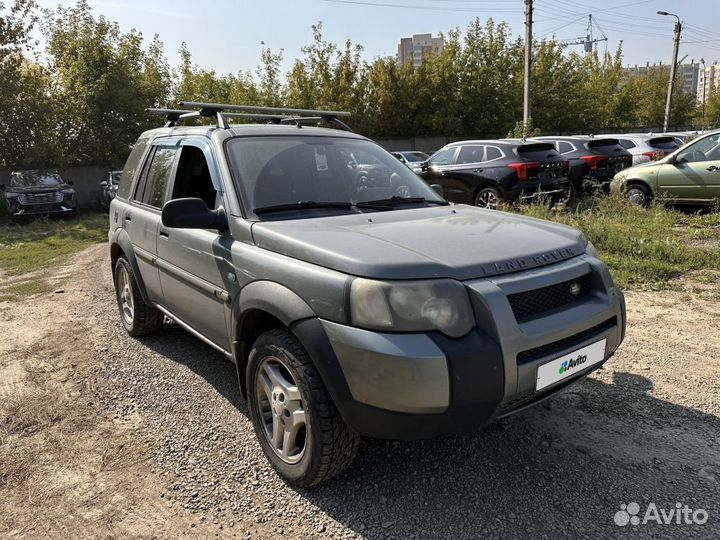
<point x="131" y="169"/>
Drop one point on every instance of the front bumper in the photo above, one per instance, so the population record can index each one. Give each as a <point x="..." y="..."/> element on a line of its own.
<point x="420" y="385"/>
<point x="19" y="210"/>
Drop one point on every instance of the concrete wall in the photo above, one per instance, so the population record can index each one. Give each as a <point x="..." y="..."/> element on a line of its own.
<point x="86" y="181"/>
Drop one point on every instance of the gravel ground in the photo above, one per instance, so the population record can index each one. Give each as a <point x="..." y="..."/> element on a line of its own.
<point x="644" y="429"/>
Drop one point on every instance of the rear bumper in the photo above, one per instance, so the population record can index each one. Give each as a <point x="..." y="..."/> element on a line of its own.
<point x="414" y="386"/>
<point x="535" y="190"/>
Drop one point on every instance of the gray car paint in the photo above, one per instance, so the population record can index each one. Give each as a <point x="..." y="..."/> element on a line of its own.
<point x="301" y="268"/>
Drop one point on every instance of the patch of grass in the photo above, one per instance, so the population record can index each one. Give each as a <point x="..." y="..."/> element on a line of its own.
<point x="39" y="244"/>
<point x="642" y="246"/>
<point x="17" y="291"/>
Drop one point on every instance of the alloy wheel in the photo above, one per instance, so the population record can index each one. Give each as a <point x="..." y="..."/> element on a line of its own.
<point x="281" y="410"/>
<point x="125" y="296"/>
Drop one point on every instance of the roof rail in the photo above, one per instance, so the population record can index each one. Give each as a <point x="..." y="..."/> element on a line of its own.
<point x="275" y="115"/>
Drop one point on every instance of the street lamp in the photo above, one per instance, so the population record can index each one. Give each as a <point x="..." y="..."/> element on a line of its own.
<point x="673" y="65"/>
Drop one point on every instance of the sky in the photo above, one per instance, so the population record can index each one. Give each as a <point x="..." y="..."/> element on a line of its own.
<point x="228" y="35"/>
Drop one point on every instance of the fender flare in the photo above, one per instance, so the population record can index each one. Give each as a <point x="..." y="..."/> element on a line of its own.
<point x="121" y="239"/>
<point x="269" y="297"/>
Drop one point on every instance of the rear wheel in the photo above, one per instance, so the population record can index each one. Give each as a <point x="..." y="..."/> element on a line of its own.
<point x="296" y="422"/>
<point x="638" y="194"/>
<point x="488" y="197"/>
<point x="137" y="317"/>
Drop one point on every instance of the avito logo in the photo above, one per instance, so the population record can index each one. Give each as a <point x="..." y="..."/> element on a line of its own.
<point x="567" y="365"/>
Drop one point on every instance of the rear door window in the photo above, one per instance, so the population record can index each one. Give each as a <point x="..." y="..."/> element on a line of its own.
<point x="155" y="188"/>
<point x="471" y="154"/>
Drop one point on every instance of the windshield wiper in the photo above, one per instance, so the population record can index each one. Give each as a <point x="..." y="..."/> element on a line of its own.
<point x="301" y="205"/>
<point x="397" y="200"/>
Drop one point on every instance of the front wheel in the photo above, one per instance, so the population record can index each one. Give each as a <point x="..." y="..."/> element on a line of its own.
<point x="296" y="422"/>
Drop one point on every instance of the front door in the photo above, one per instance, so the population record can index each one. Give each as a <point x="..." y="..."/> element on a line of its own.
<point x="195" y="272"/>
<point x="695" y="174"/>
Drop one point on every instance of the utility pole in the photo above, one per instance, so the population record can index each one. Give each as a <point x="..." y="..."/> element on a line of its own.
<point x="673" y="66"/>
<point x="528" y="61"/>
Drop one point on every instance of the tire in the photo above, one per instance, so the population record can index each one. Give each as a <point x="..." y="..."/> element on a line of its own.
<point x="141" y="319"/>
<point x="284" y="390"/>
<point x="488" y="197"/>
<point x="638" y="194"/>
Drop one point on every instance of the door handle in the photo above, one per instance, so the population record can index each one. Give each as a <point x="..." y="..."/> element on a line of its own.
<point x="477" y="170"/>
<point x="128" y="217"/>
<point x="164" y="233"/>
<point x="713" y="168"/>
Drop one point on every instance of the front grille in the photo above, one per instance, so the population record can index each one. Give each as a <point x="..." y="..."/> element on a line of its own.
<point x="40" y="198"/>
<point x="529" y="303"/>
<point x="547" y="349"/>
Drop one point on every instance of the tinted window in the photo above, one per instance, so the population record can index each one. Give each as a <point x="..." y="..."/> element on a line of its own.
<point x="443" y="157"/>
<point x="664" y="143"/>
<point x="564" y="147"/>
<point x="193" y="177"/>
<point x="627" y="143"/>
<point x="471" y="154"/>
<point x="157" y="176"/>
<point x="492" y="152"/>
<point x="416" y="156"/>
<point x="131" y="168"/>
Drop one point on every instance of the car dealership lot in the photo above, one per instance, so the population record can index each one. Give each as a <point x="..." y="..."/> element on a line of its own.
<point x="113" y="436"/>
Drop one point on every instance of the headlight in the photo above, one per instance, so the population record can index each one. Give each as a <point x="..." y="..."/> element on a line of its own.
<point x="68" y="191"/>
<point x="412" y="306"/>
<point x="11" y="194"/>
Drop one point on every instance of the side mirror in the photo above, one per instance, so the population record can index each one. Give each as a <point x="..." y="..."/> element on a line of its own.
<point x="192" y="213"/>
<point x="678" y="160"/>
<point x="424" y="166"/>
<point x="104" y="183"/>
<point x="437" y="188"/>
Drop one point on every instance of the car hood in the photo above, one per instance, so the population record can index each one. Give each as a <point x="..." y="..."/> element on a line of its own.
<point x="459" y="241"/>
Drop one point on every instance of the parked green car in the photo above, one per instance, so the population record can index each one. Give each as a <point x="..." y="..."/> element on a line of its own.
<point x="690" y="175"/>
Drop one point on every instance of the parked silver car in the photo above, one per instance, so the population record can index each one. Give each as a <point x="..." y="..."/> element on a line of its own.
<point x="645" y="148"/>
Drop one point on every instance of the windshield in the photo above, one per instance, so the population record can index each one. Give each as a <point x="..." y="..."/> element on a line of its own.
<point x="279" y="170"/>
<point x="35" y="179"/>
<point x="416" y="156"/>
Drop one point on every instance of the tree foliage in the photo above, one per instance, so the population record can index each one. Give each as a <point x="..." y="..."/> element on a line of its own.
<point x="83" y="101"/>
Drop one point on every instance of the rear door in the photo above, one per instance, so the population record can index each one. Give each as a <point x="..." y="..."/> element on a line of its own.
<point x="460" y="180"/>
<point x="695" y="176"/>
<point x="195" y="272"/>
<point x="141" y="218"/>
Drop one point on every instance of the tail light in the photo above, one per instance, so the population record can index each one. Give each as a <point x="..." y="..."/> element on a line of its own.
<point x="594" y="161"/>
<point x="522" y="169"/>
<point x="654" y="156"/>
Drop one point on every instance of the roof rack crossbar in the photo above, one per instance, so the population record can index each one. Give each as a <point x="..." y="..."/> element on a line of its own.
<point x="262" y="110"/>
<point x="274" y="115"/>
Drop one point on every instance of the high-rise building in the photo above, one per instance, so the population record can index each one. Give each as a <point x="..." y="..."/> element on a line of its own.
<point x="417" y="47"/>
<point x="708" y="82"/>
<point x="688" y="73"/>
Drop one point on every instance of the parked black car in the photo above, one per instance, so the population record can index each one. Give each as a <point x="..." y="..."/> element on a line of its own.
<point x="37" y="192"/>
<point x="108" y="188"/>
<point x="484" y="173"/>
<point x="593" y="162"/>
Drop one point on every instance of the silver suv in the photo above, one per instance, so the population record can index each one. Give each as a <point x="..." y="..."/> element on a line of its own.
<point x="351" y="306"/>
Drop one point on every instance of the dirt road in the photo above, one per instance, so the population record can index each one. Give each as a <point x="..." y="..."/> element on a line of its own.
<point x="102" y="435"/>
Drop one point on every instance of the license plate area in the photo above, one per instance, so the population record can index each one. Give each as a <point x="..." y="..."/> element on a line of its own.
<point x="570" y="364"/>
